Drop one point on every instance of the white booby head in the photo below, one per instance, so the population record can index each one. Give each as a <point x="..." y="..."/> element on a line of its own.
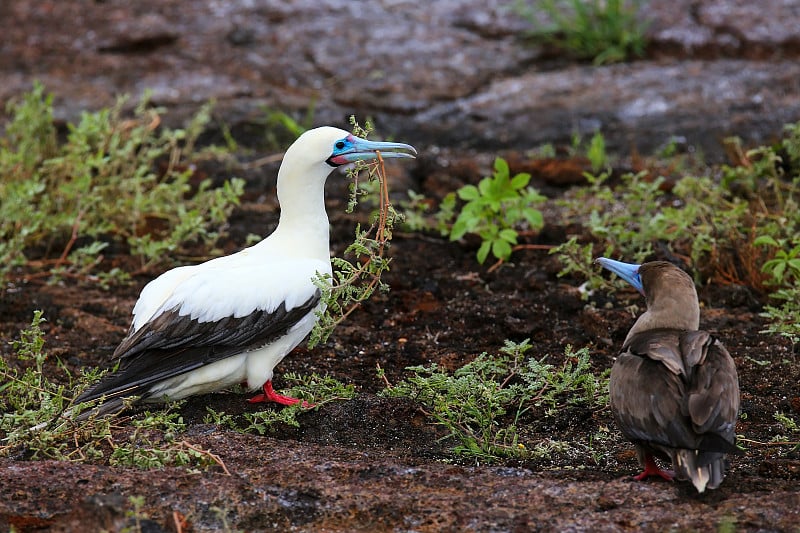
<point x="201" y="328"/>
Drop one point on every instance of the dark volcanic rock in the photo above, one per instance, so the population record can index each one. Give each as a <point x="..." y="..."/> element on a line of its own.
<point x="455" y="72"/>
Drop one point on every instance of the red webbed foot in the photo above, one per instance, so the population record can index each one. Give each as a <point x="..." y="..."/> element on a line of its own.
<point x="269" y="395"/>
<point x="652" y="469"/>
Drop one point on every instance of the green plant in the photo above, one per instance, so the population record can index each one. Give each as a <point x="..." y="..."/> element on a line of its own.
<point x="784" y="318"/>
<point x="28" y="398"/>
<point x="605" y="31"/>
<point x="414" y="211"/>
<point x="727" y="524"/>
<point x="622" y="220"/>
<point x="494" y="210"/>
<point x="135" y="514"/>
<point x="315" y="389"/>
<point x="791" y="428"/>
<point x="737" y="224"/>
<point x="578" y="260"/>
<point x="114" y="179"/>
<point x="37" y="424"/>
<point x="783" y="272"/>
<point x="596" y="153"/>
<point x="787" y="422"/>
<point x="281" y="129"/>
<point x="696" y="219"/>
<point x="785" y="264"/>
<point x="153" y="442"/>
<point x="480" y="404"/>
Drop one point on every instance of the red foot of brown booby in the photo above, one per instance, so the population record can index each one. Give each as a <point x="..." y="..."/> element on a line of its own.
<point x="652" y="469"/>
<point x="269" y="395"/>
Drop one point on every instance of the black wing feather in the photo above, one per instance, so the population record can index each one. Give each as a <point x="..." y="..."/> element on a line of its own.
<point x="172" y="345"/>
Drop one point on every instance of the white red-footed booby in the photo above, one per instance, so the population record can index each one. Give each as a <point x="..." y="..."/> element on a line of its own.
<point x="674" y="390"/>
<point x="201" y="328"/>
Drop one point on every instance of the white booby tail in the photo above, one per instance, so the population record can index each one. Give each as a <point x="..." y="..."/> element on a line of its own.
<point x="201" y="328"/>
<point x="674" y="390"/>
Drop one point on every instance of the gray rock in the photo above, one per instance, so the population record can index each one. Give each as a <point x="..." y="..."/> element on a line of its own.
<point x="451" y="72"/>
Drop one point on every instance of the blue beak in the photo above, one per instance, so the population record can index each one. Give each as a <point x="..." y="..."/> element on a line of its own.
<point x="352" y="149"/>
<point x="627" y="271"/>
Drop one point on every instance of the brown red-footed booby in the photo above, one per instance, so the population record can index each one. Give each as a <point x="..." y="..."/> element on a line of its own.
<point x="674" y="390"/>
<point x="201" y="328"/>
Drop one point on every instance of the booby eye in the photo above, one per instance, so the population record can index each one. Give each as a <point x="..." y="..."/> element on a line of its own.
<point x="340" y="145"/>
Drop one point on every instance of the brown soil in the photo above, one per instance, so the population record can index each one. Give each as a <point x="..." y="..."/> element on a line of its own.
<point x="377" y="464"/>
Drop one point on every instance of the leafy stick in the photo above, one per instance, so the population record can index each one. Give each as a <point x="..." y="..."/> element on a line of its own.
<point x="355" y="282"/>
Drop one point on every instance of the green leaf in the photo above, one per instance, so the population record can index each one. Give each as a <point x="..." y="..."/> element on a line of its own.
<point x="521" y="180"/>
<point x="767" y="240"/>
<point x="501" y="167"/>
<point x="534" y="218"/>
<point x="501" y="249"/>
<point x="509" y="235"/>
<point x="485" y="187"/>
<point x="483" y="251"/>
<point x="778" y="271"/>
<point x="469" y="192"/>
<point x="459" y="229"/>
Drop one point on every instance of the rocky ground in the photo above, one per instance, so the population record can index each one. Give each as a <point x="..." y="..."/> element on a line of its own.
<point x="453" y="79"/>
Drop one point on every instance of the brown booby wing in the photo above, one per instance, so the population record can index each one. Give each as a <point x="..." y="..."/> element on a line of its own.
<point x="713" y="393"/>
<point x="676" y="389"/>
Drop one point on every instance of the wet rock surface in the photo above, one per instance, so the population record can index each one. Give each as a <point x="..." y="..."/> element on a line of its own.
<point x="332" y="489"/>
<point x="452" y="78"/>
<point x="452" y="73"/>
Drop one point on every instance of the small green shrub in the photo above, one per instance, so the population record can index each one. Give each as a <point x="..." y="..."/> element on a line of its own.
<point x="783" y="272"/>
<point x="605" y="31"/>
<point x="135" y="515"/>
<point x="315" y="389"/>
<point x="415" y="212"/>
<point x="696" y="219"/>
<point x="480" y="404"/>
<point x="114" y="179"/>
<point x="34" y="423"/>
<point x="577" y="260"/>
<point x="281" y="129"/>
<point x="596" y="153"/>
<point x="155" y="443"/>
<point x="28" y="398"/>
<point x="419" y="213"/>
<point x="495" y="209"/>
<point x="623" y="220"/>
<point x="784" y="267"/>
<point x="791" y="429"/>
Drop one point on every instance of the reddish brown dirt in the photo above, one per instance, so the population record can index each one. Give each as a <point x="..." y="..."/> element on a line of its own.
<point x="376" y="464"/>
